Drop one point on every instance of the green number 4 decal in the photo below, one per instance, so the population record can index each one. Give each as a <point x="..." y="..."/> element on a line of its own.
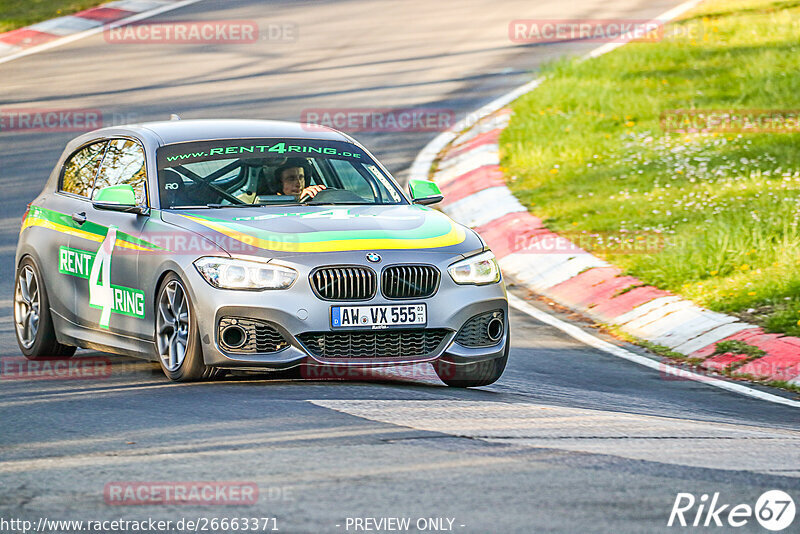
<point x="101" y="294"/>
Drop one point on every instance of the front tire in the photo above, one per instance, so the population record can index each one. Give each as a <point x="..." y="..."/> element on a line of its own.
<point x="472" y="375"/>
<point x="177" y="336"/>
<point x="33" y="322"/>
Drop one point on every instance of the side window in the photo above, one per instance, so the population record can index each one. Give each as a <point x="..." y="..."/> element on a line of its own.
<point x="123" y="164"/>
<point x="352" y="179"/>
<point x="81" y="169"/>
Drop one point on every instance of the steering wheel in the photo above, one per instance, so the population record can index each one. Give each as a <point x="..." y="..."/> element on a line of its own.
<point x="307" y="198"/>
<point x="336" y="196"/>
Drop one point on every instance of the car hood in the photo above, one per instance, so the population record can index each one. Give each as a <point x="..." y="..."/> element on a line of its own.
<point x="282" y="231"/>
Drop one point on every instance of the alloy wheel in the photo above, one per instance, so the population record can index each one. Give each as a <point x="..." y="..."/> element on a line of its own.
<point x="27" y="306"/>
<point x="172" y="325"/>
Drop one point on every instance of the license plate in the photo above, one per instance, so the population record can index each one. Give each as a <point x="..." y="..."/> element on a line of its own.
<point x="378" y="316"/>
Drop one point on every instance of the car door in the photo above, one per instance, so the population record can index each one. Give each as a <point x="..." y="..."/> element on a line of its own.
<point x="112" y="296"/>
<point x="63" y="213"/>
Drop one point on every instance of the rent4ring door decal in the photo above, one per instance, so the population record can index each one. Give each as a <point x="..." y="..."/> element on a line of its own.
<point x="96" y="267"/>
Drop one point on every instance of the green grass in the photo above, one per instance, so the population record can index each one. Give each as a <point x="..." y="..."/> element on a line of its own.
<point x="18" y="13"/>
<point x="661" y="350"/>
<point x="739" y="347"/>
<point x="586" y="152"/>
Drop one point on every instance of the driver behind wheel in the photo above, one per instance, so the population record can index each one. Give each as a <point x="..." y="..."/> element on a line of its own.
<point x="291" y="180"/>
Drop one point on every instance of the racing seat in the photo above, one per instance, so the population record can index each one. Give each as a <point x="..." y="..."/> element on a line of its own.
<point x="267" y="184"/>
<point x="172" y="190"/>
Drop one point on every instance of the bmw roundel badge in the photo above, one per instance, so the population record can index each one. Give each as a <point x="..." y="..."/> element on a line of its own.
<point x="374" y="258"/>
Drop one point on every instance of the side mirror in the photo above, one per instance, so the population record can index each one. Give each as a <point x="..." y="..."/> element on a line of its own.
<point x="117" y="198"/>
<point x="424" y="192"/>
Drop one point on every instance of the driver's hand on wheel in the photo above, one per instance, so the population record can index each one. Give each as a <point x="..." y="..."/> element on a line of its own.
<point x="310" y="192"/>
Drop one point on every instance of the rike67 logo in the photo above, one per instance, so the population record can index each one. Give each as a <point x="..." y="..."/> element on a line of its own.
<point x="774" y="510"/>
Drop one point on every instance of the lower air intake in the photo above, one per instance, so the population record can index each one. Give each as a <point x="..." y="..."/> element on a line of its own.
<point x="248" y="336"/>
<point x="482" y="330"/>
<point x="382" y="344"/>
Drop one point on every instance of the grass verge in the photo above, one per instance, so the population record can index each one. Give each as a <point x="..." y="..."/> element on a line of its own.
<point x="16" y="13"/>
<point x="586" y="152"/>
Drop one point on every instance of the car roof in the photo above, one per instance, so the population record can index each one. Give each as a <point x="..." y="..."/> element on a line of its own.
<point x="182" y="131"/>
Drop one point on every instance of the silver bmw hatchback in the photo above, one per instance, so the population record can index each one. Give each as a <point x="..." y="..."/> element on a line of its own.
<point x="213" y="245"/>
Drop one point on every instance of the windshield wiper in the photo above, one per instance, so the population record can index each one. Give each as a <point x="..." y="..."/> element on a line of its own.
<point x="249" y="205"/>
<point x="312" y="203"/>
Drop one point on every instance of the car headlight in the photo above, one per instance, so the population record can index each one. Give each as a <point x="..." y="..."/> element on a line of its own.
<point x="479" y="269"/>
<point x="232" y="273"/>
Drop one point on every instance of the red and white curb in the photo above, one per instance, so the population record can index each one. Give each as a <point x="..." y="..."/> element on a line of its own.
<point x="62" y="30"/>
<point x="468" y="172"/>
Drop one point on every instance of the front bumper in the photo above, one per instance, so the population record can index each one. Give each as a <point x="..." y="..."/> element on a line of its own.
<point x="298" y="310"/>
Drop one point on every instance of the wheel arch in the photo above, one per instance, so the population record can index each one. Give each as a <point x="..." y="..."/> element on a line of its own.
<point x="26" y="251"/>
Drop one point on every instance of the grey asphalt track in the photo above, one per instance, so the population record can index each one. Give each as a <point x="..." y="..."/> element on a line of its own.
<point x="570" y="439"/>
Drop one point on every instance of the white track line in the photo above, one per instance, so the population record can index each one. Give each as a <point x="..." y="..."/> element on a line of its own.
<point x="92" y="31"/>
<point x="597" y="343"/>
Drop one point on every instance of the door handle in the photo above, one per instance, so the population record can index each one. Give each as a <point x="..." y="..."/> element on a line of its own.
<point x="79" y="218"/>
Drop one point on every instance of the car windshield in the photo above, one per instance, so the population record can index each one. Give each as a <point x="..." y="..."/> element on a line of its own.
<point x="257" y="172"/>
